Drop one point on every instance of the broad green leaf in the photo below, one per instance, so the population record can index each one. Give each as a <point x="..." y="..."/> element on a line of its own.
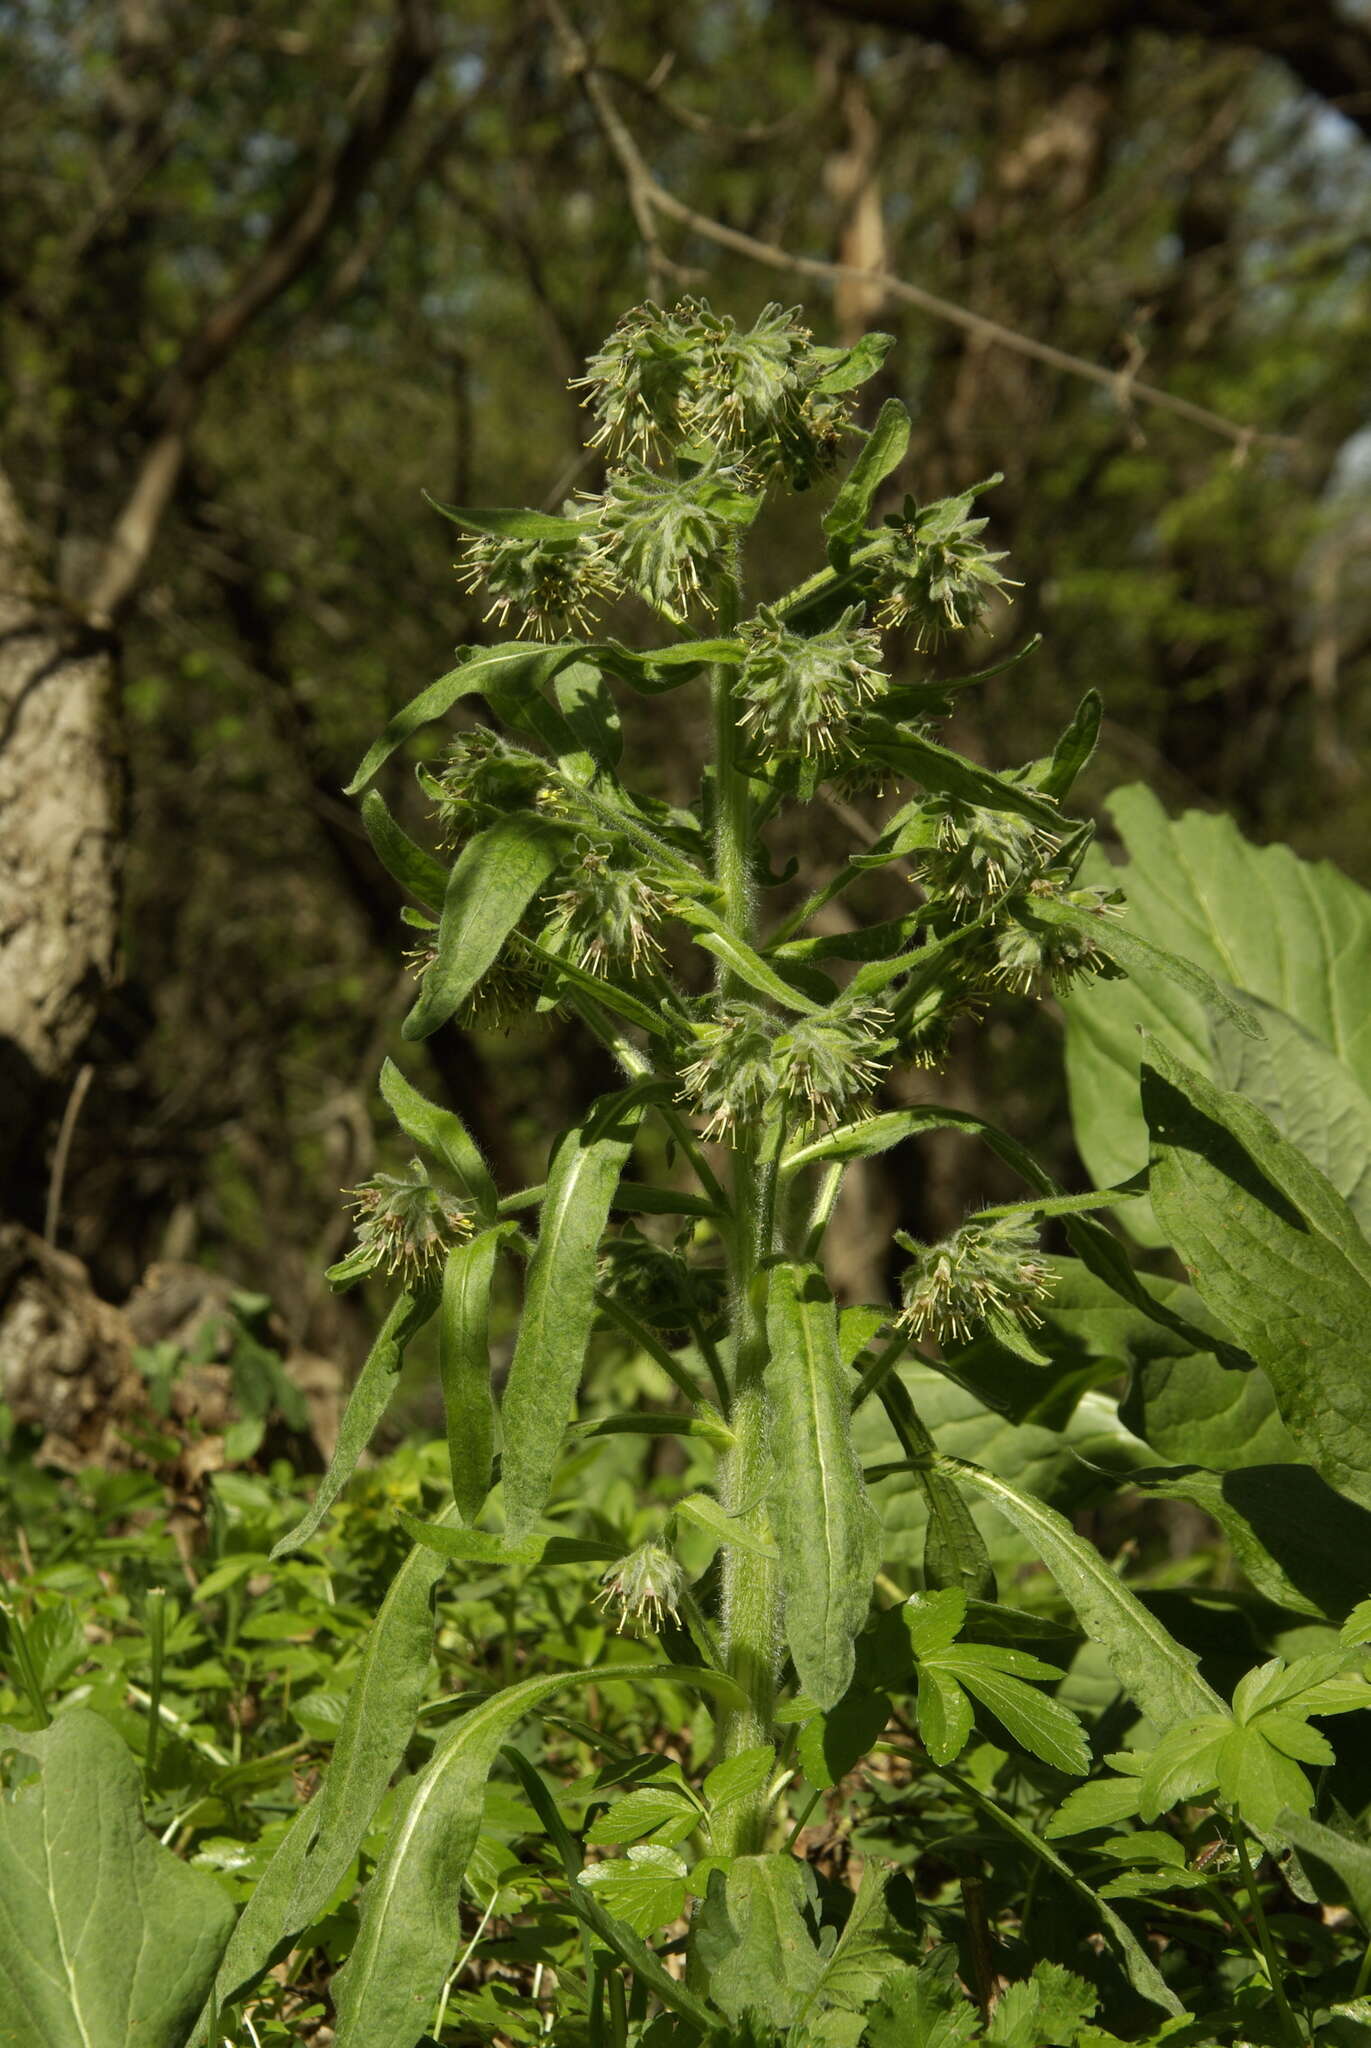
<point x="944" y="1715"/>
<point x="663" y="1813"/>
<point x="1103" y="1803"/>
<point x="645" y="1889"/>
<point x="827" y="1530"/>
<point x="1274" y="1251"/>
<point x="946" y="773"/>
<point x="924" y="2007"/>
<point x="1295" y="933"/>
<point x="408" y="1935"/>
<point x="488" y="891"/>
<point x="366" y="1405"/>
<point x="1259" y="1778"/>
<point x="105" y="1936"/>
<point x="1300" y="1543"/>
<point x="1310" y="1097"/>
<point x="442" y="1134"/>
<point x="378" y="1723"/>
<point x="417" y="872"/>
<point x="832" y="1744"/>
<point x="1135" y="954"/>
<point x="485" y="670"/>
<point x="753" y="1939"/>
<point x="1183" y="1765"/>
<point x="1051" y="2005"/>
<point x="1349" y="1860"/>
<point x="1036" y="1721"/>
<point x="464" y="1367"/>
<point x="881" y="452"/>
<point x="739" y="1776"/>
<point x="933" y="1621"/>
<point x="559" y="1302"/>
<point x="1160" y="1676"/>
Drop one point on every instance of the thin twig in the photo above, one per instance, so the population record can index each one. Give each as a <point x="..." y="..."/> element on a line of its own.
<point x="62" y="1151"/>
<point x="647" y="199"/>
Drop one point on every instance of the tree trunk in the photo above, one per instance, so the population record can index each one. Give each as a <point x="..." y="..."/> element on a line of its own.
<point x="61" y="846"/>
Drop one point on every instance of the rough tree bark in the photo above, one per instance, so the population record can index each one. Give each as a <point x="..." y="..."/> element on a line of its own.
<point x="61" y="844"/>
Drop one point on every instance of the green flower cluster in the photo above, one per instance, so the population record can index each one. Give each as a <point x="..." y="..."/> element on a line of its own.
<point x="406" y="1224"/>
<point x="986" y="1269"/>
<point x="819" y="1070"/>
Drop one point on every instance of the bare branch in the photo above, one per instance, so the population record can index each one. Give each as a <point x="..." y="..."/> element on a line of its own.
<point x="648" y="198"/>
<point x="293" y="244"/>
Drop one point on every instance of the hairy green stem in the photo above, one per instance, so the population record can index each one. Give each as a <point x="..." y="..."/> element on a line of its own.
<point x="751" y="1584"/>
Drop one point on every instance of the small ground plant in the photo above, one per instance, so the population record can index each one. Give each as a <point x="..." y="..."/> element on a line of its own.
<point x="1056" y="1807"/>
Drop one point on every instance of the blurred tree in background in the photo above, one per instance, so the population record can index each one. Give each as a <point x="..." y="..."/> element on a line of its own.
<point x="270" y="271"/>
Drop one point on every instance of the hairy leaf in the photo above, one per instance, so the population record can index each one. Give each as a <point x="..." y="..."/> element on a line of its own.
<point x="417" y="872"/>
<point x="488" y="891"/>
<point x="464" y="1367"/>
<point x="559" y="1302"/>
<point x="828" y="1532"/>
<point x="105" y="1937"/>
<point x="442" y="1134"/>
<point x="881" y="452"/>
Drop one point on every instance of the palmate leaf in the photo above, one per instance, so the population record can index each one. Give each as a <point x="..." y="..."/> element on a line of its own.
<point x="104" y="1935"/>
<point x="645" y="1889"/>
<point x="827" y="1529"/>
<point x="559" y="1301"/>
<point x="1274" y="1251"/>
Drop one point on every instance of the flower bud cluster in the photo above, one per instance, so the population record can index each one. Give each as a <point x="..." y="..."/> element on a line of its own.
<point x="670" y="537"/>
<point x="406" y="1224"/>
<point x="802" y="693"/>
<point x="609" y="913"/>
<point x="553" y="584"/>
<point x="1029" y="952"/>
<point x="977" y="854"/>
<point x="819" y="1070"/>
<point x="482" y="779"/>
<point x="938" y="577"/>
<point x="987" y="1267"/>
<point x="671" y="379"/>
<point x="657" y="1284"/>
<point x="646" y="1586"/>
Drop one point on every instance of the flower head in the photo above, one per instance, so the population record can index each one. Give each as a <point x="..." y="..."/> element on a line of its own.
<point x="671" y="379"/>
<point x="482" y="779"/>
<point x="733" y="1076"/>
<point x="978" y="853"/>
<point x="938" y="577"/>
<point x="803" y="692"/>
<point x="989" y="1267"/>
<point x="670" y="537"/>
<point x="646" y="1585"/>
<point x="406" y="1224"/>
<point x="1029" y="951"/>
<point x="609" y="913"/>
<point x="827" y="1065"/>
<point x="555" y="583"/>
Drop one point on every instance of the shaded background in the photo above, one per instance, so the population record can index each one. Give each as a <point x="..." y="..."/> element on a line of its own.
<point x="268" y="272"/>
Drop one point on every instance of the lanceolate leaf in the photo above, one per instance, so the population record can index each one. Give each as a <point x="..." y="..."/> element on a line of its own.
<point x="828" y="1531"/>
<point x="1274" y="1251"/>
<point x="1135" y="954"/>
<point x="377" y="1725"/>
<point x="510" y="523"/>
<point x="417" y="872"/>
<point x="500" y="871"/>
<point x="266" y="1926"/>
<point x="386" y="1991"/>
<point x="716" y="938"/>
<point x="1160" y="1676"/>
<point x="464" y="1367"/>
<point x="105" y="1937"/>
<point x="882" y="451"/>
<point x="1073" y="749"/>
<point x="367" y="1404"/>
<point x="938" y="768"/>
<point x="442" y="1134"/>
<point x="559" y="1302"/>
<point x="484" y="671"/>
